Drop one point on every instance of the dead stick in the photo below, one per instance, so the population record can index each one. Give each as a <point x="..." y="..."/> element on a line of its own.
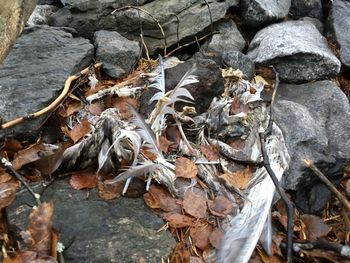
<point x="54" y="104"/>
<point x="328" y="183"/>
<point x="8" y="166"/>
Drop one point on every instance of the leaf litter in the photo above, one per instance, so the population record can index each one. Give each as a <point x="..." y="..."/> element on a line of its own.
<point x="193" y="211"/>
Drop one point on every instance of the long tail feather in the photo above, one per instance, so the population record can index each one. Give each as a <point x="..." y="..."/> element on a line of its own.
<point x="245" y="228"/>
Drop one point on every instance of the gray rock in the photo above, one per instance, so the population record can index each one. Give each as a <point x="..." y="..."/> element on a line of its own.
<point x="317" y="23"/>
<point x="119" y="230"/>
<point x="118" y="54"/>
<point x="297" y="50"/>
<point x="36" y="70"/>
<point x="41" y="14"/>
<point x="256" y="13"/>
<point x="310" y="8"/>
<point x="339" y="25"/>
<point x="315" y="120"/>
<point x="88" y="16"/>
<point x="238" y="60"/>
<point x="228" y="38"/>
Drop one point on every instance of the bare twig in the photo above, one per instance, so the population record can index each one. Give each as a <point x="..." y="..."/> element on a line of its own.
<point x="53" y="104"/>
<point x="322" y="244"/>
<point x="328" y="183"/>
<point x="188" y="44"/>
<point x="211" y="18"/>
<point x="290" y="209"/>
<point x="8" y="166"/>
<point x="148" y="13"/>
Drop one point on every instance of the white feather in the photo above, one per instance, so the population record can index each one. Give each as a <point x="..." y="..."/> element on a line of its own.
<point x="245" y="228"/>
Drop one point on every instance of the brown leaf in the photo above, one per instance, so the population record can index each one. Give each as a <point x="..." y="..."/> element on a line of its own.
<point x="164" y="144"/>
<point x="80" y="130"/>
<point x="158" y="198"/>
<point x="96" y="108"/>
<point x="50" y="161"/>
<point x="172" y="134"/>
<point x="196" y="260"/>
<point x="195" y="204"/>
<point x="4" y="176"/>
<point x="200" y="234"/>
<point x="38" y="236"/>
<point x="216" y="237"/>
<point x="12" y="145"/>
<point x="181" y="253"/>
<point x="211" y="152"/>
<point x="238" y="179"/>
<point x="84" y="180"/>
<point x="268" y="259"/>
<point x="237" y="107"/>
<point x="220" y="206"/>
<point x="110" y="191"/>
<point x="315" y="227"/>
<point x="122" y="104"/>
<point x="185" y="168"/>
<point x="178" y="220"/>
<point x="7" y="194"/>
<point x="33" y="153"/>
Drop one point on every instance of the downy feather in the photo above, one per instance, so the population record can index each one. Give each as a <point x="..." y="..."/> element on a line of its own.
<point x="145" y="168"/>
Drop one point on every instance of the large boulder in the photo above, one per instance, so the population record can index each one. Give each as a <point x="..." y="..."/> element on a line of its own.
<point x="315" y="120"/>
<point x="35" y="71"/>
<point x="256" y="13"/>
<point x="118" y="54"/>
<point x="297" y="50"/>
<point x="339" y="26"/>
<point x="119" y="230"/>
<point x="227" y="37"/>
<point x="309" y="8"/>
<point x="180" y="20"/>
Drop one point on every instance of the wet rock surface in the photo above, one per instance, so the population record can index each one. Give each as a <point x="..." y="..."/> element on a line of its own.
<point x="100" y="230"/>
<point x="35" y="71"/>
<point x="339" y="26"/>
<point x="297" y="50"/>
<point x="315" y="127"/>
<point x="256" y="13"/>
<point x="118" y="54"/>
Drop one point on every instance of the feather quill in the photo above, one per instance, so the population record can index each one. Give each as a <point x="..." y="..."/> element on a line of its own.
<point x="245" y="228"/>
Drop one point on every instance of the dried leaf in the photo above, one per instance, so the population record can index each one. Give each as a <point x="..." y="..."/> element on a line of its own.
<point x="80" y="130"/>
<point x="220" y="206"/>
<point x="31" y="154"/>
<point x="72" y="106"/>
<point x="110" y="191"/>
<point x="164" y="144"/>
<point x="216" y="237"/>
<point x="178" y="220"/>
<point x="7" y="194"/>
<point x="209" y="255"/>
<point x="96" y="108"/>
<point x="200" y="234"/>
<point x="158" y="198"/>
<point x="210" y="152"/>
<point x="195" y="204"/>
<point x="84" y="180"/>
<point x="38" y="236"/>
<point x="12" y="145"/>
<point x="238" y="179"/>
<point x="268" y="259"/>
<point x="172" y="134"/>
<point x="185" y="168"/>
<point x="181" y="253"/>
<point x="4" y="176"/>
<point x="122" y="104"/>
<point x="195" y="260"/>
<point x="237" y="107"/>
<point x="315" y="227"/>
